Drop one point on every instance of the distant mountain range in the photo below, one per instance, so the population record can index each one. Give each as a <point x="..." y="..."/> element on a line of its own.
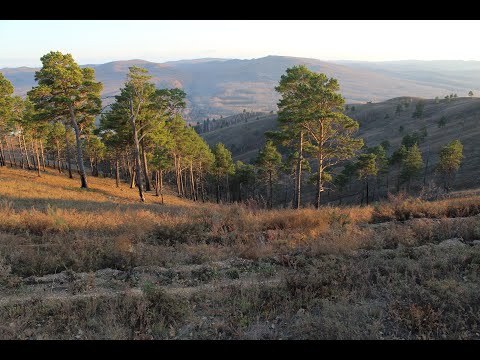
<point x="222" y="87"/>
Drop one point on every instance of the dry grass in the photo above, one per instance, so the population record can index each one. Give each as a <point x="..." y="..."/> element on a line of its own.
<point x="402" y="207"/>
<point x="352" y="272"/>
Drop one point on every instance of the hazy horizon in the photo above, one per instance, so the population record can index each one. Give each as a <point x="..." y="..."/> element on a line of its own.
<point x="238" y="58"/>
<point x="101" y="41"/>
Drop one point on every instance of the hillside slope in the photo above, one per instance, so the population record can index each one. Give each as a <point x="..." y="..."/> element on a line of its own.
<point x="97" y="264"/>
<point x="463" y="122"/>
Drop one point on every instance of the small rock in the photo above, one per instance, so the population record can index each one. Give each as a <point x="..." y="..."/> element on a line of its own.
<point x="452" y="242"/>
<point x="301" y="312"/>
<point x="476" y="242"/>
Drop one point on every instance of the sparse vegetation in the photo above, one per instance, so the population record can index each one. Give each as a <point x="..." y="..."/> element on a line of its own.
<point x="192" y="271"/>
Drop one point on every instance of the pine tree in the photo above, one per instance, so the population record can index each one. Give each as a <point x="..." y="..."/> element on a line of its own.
<point x="310" y="102"/>
<point x="366" y="168"/>
<point x="223" y="166"/>
<point x="6" y="102"/>
<point x="411" y="165"/>
<point x="450" y="158"/>
<point x="55" y="142"/>
<point x="442" y="122"/>
<point x="66" y="91"/>
<point x="268" y="162"/>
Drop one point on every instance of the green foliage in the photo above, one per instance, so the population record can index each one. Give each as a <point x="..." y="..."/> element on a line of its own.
<point x="399" y="155"/>
<point x="470" y="93"/>
<point x="442" y="122"/>
<point x="245" y="175"/>
<point x="6" y="101"/>
<point x="381" y="160"/>
<point x="418" y="113"/>
<point x="450" y="158"/>
<point x="64" y="87"/>
<point x="366" y="166"/>
<point x="268" y="159"/>
<point x="345" y="176"/>
<point x="412" y="164"/>
<point x="386" y="145"/>
<point x="94" y="147"/>
<point x="414" y="138"/>
<point x="223" y="164"/>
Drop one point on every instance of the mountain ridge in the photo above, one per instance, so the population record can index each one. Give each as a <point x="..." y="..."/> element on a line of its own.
<point x="221" y="87"/>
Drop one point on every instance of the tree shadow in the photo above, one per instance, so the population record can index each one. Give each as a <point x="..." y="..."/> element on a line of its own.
<point x="42" y="204"/>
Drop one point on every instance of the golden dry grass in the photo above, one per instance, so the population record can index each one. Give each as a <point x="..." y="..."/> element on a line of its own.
<point x="340" y="272"/>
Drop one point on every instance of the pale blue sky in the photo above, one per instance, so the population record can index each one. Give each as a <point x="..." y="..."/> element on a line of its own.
<point x="23" y="42"/>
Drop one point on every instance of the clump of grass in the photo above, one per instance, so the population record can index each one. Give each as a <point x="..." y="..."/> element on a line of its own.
<point x="125" y="317"/>
<point x="402" y="207"/>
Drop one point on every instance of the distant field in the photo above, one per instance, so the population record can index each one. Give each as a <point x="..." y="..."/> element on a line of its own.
<point x="97" y="264"/>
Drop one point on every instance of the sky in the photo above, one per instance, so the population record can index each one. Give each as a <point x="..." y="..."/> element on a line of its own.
<point x="23" y="42"/>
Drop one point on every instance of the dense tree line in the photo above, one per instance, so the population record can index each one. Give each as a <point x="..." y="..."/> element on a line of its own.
<point x="208" y="124"/>
<point x="143" y="140"/>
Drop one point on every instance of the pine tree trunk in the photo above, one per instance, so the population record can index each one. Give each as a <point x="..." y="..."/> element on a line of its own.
<point x="81" y="168"/>
<point x="138" y="163"/>
<point x="8" y="151"/>
<point x="37" y="157"/>
<point x="270" y="197"/>
<point x="218" y="189"/>
<point x="20" y="146"/>
<point x="95" y="166"/>
<point x="12" y="151"/>
<point x="177" y="174"/>
<point x="67" y="152"/>
<point x="27" y="155"/>
<point x="148" y="184"/>
<point x="298" y="181"/>
<point x="2" y="155"/>
<point x="90" y="159"/>
<point x="134" y="172"/>
<point x="227" y="192"/>
<point x="34" y="163"/>
<point x="117" y="172"/>
<point x="319" y="183"/>
<point x="42" y="155"/>
<point x="58" y="157"/>
<point x="157" y="180"/>
<point x="366" y="183"/>
<point x="202" y="185"/>
<point x="182" y="182"/>
<point x="192" y="182"/>
<point x="161" y="184"/>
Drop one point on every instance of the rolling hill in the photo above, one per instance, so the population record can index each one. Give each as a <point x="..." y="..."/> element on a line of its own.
<point x="223" y="87"/>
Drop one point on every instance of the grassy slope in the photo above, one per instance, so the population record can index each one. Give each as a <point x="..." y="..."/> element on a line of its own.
<point x="463" y="122"/>
<point x="243" y="137"/>
<point x="91" y="264"/>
